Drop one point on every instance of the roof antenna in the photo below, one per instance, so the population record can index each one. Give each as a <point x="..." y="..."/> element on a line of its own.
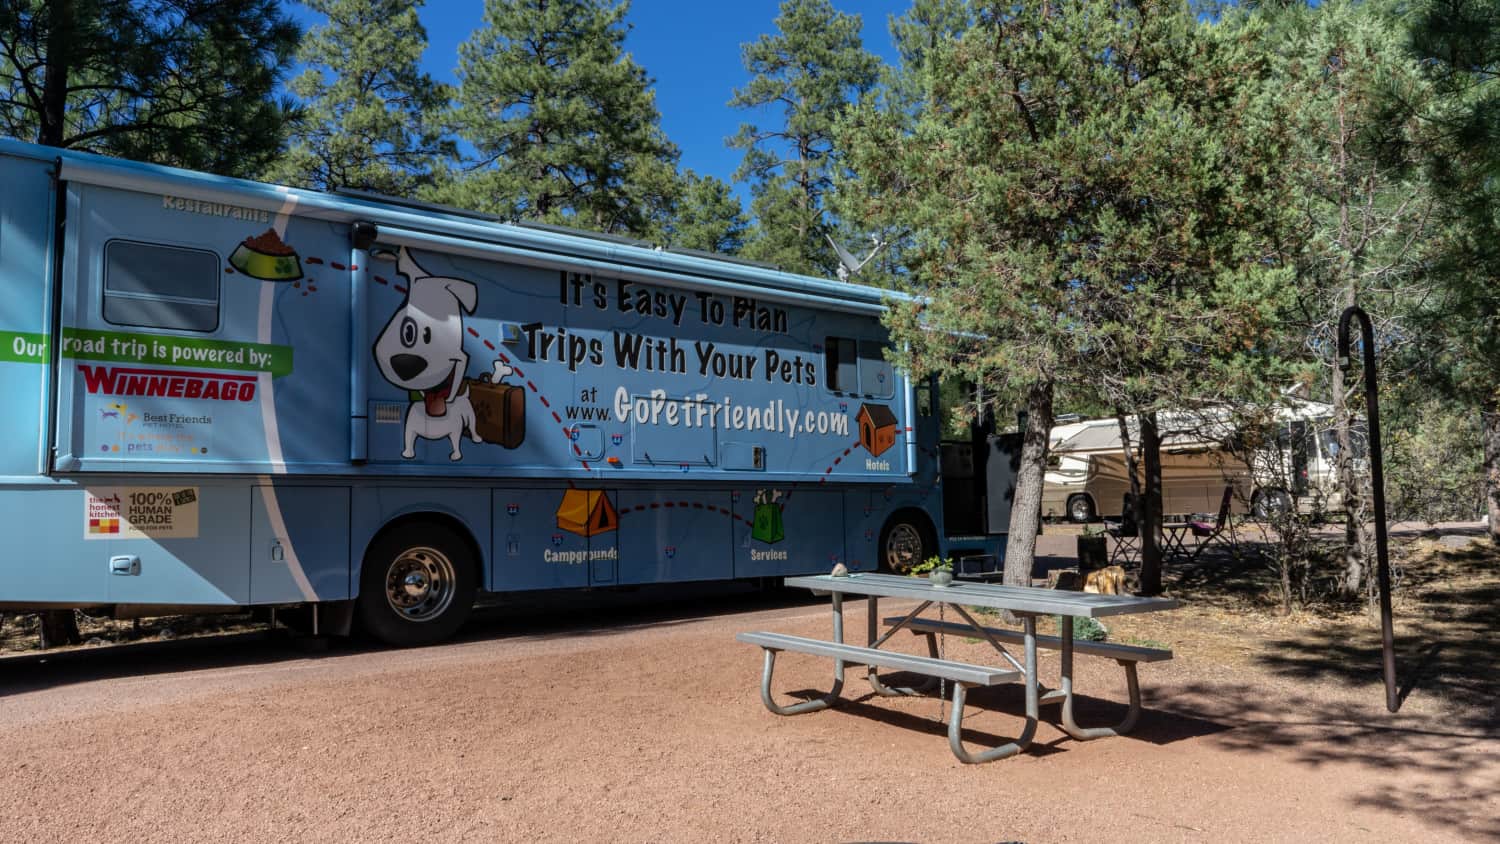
<point x="848" y="264"/>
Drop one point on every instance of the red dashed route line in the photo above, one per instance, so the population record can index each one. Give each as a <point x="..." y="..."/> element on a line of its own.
<point x="840" y="459"/>
<point x="685" y="505"/>
<point x="487" y="344"/>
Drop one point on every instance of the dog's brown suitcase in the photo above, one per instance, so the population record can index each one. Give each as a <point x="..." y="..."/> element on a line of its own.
<point x="499" y="412"/>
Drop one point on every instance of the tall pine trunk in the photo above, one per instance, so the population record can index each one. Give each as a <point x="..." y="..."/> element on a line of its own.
<point x="1491" y="419"/>
<point x="1149" y="506"/>
<point x="1357" y="540"/>
<point x="1026" y="510"/>
<point x="1132" y="470"/>
<point x="53" y="123"/>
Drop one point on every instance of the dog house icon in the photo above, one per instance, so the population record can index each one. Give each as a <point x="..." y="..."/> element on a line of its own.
<point x="877" y="428"/>
<point x="587" y="512"/>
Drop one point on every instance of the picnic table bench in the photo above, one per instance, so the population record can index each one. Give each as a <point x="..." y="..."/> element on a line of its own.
<point x="1025" y="602"/>
<point x="1126" y="655"/>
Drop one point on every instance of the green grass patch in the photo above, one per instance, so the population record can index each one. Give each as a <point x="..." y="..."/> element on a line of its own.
<point x="1089" y="630"/>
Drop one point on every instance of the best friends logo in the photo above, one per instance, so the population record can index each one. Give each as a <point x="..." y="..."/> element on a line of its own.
<point x="118" y="410"/>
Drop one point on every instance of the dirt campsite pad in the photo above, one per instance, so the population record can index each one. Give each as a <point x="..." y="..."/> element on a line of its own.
<point x="644" y="723"/>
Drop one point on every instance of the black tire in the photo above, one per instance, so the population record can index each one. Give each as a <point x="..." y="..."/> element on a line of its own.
<point x="905" y="541"/>
<point x="1270" y="503"/>
<point x="417" y="585"/>
<point x="1080" y="509"/>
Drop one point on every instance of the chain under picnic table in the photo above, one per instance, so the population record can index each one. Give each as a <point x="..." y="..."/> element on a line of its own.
<point x="942" y="683"/>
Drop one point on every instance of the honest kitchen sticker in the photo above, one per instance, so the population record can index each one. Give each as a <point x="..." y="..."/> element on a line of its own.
<point x="140" y="513"/>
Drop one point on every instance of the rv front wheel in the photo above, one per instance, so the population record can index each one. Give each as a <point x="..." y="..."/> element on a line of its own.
<point x="1080" y="509"/>
<point x="417" y="586"/>
<point x="903" y="544"/>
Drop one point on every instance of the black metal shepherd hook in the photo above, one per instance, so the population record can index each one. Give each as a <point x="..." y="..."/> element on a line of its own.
<point x="1377" y="482"/>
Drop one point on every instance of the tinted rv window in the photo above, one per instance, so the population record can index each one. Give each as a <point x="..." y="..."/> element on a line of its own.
<point x="161" y="286"/>
<point x="874" y="372"/>
<point x="843" y="374"/>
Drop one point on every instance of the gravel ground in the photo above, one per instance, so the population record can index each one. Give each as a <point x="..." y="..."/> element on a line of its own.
<point x="646" y="725"/>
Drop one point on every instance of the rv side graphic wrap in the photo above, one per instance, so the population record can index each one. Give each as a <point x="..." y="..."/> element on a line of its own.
<point x="596" y="375"/>
<point x="476" y="364"/>
<point x="224" y="393"/>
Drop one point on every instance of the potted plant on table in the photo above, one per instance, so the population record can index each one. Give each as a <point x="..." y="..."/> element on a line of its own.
<point x="939" y="570"/>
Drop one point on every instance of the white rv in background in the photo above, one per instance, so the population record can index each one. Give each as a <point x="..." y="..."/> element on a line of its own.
<point x="1292" y="464"/>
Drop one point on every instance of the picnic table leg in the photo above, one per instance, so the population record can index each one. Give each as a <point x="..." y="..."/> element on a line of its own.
<point x="806" y="706"/>
<point x="838" y="672"/>
<point x="1069" y="725"/>
<point x="838" y="636"/>
<point x="871" y="674"/>
<point x="956" y="719"/>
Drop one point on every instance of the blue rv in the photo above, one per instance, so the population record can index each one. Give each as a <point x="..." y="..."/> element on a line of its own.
<point x="230" y="394"/>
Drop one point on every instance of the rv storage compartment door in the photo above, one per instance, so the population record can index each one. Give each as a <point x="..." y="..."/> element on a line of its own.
<point x="188" y="537"/>
<point x="554" y="538"/>
<point x="675" y="535"/>
<point x="297" y="549"/>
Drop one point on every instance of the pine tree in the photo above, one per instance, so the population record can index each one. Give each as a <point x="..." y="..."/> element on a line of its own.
<point x="811" y="70"/>
<point x="1356" y="101"/>
<point x="1086" y="199"/>
<point x="927" y="27"/>
<point x="563" y="122"/>
<point x="188" y="83"/>
<point x="707" y="216"/>
<point x="1458" y="42"/>
<point x="372" y="118"/>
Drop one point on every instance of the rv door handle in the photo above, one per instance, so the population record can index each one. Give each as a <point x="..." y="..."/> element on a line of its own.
<point x="125" y="565"/>
<point x="278" y="554"/>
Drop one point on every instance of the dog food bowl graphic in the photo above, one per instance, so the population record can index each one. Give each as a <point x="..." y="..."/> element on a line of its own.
<point x="266" y="257"/>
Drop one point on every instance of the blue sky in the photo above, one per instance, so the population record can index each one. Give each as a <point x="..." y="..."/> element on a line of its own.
<point x="691" y="49"/>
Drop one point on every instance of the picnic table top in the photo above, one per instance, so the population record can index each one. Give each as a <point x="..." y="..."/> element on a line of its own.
<point x="1024" y="599"/>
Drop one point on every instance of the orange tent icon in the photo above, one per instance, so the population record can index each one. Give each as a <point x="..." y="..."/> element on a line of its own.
<point x="586" y="512"/>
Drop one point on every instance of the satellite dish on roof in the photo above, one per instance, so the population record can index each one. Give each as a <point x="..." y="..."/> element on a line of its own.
<point x="848" y="264"/>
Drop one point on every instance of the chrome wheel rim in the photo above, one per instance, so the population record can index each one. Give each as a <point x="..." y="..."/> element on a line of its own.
<point x="1080" y="510"/>
<point x="903" y="548"/>
<point x="419" y="584"/>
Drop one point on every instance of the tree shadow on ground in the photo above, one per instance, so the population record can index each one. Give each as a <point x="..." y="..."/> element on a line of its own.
<point x="1447" y="610"/>
<point x="1440" y="747"/>
<point x="1437" y="767"/>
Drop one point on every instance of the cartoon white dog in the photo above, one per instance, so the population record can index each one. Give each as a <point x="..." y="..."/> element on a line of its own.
<point x="422" y="349"/>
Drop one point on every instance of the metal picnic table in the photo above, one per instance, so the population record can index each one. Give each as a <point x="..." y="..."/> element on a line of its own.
<point x="1025" y="602"/>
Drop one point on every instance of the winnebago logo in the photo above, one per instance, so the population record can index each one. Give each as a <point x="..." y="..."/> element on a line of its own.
<point x="120" y="381"/>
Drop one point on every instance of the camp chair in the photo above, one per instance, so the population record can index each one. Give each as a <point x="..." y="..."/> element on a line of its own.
<point x="1126" y="532"/>
<point x="1214" y="531"/>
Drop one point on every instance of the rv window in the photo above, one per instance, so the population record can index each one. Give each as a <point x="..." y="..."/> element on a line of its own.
<point x="875" y="379"/>
<point x="841" y="365"/>
<point x="1357" y="443"/>
<point x="161" y="286"/>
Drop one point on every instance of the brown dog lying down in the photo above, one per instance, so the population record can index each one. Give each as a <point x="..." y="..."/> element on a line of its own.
<point x="1109" y="580"/>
